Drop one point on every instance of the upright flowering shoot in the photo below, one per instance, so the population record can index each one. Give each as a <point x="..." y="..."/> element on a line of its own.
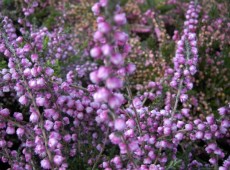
<point x="110" y="46"/>
<point x="186" y="58"/>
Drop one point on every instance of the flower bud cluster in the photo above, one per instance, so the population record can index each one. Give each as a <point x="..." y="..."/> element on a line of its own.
<point x="110" y="46"/>
<point x="186" y="58"/>
<point x="34" y="86"/>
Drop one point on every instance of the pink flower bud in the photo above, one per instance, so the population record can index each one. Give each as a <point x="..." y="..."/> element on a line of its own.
<point x="48" y="125"/>
<point x="5" y="112"/>
<point x="116" y="100"/>
<point x="137" y="103"/>
<point x="100" y="19"/>
<point x="7" y="53"/>
<point x="121" y="38"/>
<point x="120" y="19"/>
<point x="40" y="82"/>
<point x="49" y="71"/>
<point x="103" y="3"/>
<point x="98" y="36"/>
<point x="18" y="116"/>
<point x="34" y="57"/>
<point x="133" y="146"/>
<point x="52" y="143"/>
<point x="96" y="8"/>
<point x="191" y="36"/>
<point x="34" y="72"/>
<point x="167" y="131"/>
<point x="95" y="52"/>
<point x="210" y="119"/>
<point x="67" y="138"/>
<point x="222" y="111"/>
<point x="101" y="95"/>
<point x="104" y="27"/>
<point x="173" y="83"/>
<point x="58" y="159"/>
<point x="199" y="135"/>
<point x="107" y="50"/>
<point x="32" y="84"/>
<point x="129" y="133"/>
<point x="130" y="123"/>
<point x="114" y="139"/>
<point x="213" y="161"/>
<point x="27" y="48"/>
<point x="19" y="39"/>
<point x="10" y="130"/>
<point x="183" y="97"/>
<point x="94" y="78"/>
<point x="185" y="112"/>
<point x="119" y="124"/>
<point x="201" y="127"/>
<point x="27" y="72"/>
<point x="192" y="69"/>
<point x="23" y="100"/>
<point x="179" y="136"/>
<point x="103" y="72"/>
<point x="130" y="68"/>
<point x="20" y="132"/>
<point x="45" y="164"/>
<point x="117" y="59"/>
<point x="34" y="117"/>
<point x="188" y="127"/>
<point x="189" y="86"/>
<point x="57" y="125"/>
<point x="114" y="83"/>
<point x="40" y="101"/>
<point x="2" y="143"/>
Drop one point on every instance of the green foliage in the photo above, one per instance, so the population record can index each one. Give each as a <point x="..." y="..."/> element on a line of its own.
<point x="123" y="2"/>
<point x="214" y="13"/>
<point x="51" y="20"/>
<point x="56" y="67"/>
<point x="174" y="164"/>
<point x="46" y="16"/>
<point x="158" y="102"/>
<point x="8" y="2"/>
<point x="226" y="54"/>
<point x="167" y="50"/>
<point x="165" y="8"/>
<point x="77" y="163"/>
<point x="150" y="43"/>
<point x="3" y="63"/>
<point x="150" y="4"/>
<point x="45" y="43"/>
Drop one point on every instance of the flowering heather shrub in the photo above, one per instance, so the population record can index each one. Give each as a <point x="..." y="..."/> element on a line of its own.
<point x="141" y="85"/>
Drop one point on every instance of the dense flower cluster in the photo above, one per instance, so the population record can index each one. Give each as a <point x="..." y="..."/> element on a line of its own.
<point x="95" y="112"/>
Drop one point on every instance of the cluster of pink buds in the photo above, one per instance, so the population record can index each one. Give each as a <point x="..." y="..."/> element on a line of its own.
<point x="110" y="46"/>
<point x="33" y="86"/>
<point x="186" y="58"/>
<point x="30" y="6"/>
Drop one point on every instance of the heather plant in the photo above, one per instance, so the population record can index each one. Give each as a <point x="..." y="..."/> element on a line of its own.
<point x="136" y="85"/>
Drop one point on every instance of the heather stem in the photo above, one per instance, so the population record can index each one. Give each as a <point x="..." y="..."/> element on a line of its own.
<point x="177" y="98"/>
<point x="102" y="150"/>
<point x="136" y="114"/>
<point x="128" y="150"/>
<point x="187" y="53"/>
